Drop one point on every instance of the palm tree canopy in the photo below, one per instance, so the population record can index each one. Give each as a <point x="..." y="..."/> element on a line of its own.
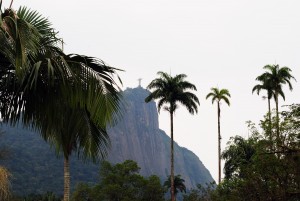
<point x="275" y="77"/>
<point x="263" y="86"/>
<point x="173" y="90"/>
<point x="76" y="132"/>
<point x="218" y="95"/>
<point x="20" y="39"/>
<point x="35" y="71"/>
<point x="37" y="78"/>
<point x="178" y="184"/>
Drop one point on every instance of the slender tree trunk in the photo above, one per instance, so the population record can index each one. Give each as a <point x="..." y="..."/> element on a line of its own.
<point x="66" y="179"/>
<point x="172" y="160"/>
<point x="277" y="117"/>
<point x="270" y="125"/>
<point x="219" y="143"/>
<point x="11" y="4"/>
<point x="270" y="120"/>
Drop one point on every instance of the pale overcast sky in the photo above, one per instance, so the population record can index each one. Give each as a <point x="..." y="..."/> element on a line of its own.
<point x="214" y="42"/>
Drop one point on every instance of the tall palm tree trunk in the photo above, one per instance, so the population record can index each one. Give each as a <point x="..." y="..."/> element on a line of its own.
<point x="270" y="124"/>
<point x="66" y="179"/>
<point x="277" y="117"/>
<point x="219" y="143"/>
<point x="172" y="159"/>
<point x="270" y="120"/>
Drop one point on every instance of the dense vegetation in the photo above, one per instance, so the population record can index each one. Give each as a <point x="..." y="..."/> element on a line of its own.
<point x="121" y="182"/>
<point x="259" y="168"/>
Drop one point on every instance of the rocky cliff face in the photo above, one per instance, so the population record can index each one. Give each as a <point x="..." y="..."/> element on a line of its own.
<point x="138" y="137"/>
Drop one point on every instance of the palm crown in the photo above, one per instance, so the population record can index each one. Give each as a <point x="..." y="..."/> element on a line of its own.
<point x="272" y="80"/>
<point x="218" y="95"/>
<point x="265" y="85"/>
<point x="33" y="64"/>
<point x="275" y="77"/>
<point x="173" y="90"/>
<point x="178" y="184"/>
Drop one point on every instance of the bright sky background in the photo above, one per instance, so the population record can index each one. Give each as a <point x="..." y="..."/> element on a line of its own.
<point x="216" y="43"/>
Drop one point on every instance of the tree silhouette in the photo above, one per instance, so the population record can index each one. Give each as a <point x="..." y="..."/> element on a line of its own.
<point x="50" y="91"/>
<point x="178" y="184"/>
<point x="219" y="95"/>
<point x="170" y="91"/>
<point x="274" y="78"/>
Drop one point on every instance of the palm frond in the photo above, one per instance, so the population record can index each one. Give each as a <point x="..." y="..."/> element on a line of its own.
<point x="225" y="92"/>
<point x="226" y="100"/>
<point x="42" y="24"/>
<point x="274" y="78"/>
<point x="169" y="90"/>
<point x="209" y="95"/>
<point x="79" y="94"/>
<point x="217" y="95"/>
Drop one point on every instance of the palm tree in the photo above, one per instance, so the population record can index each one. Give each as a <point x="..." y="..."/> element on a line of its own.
<point x="178" y="184"/>
<point x="265" y="85"/>
<point x="219" y="95"/>
<point x="78" y="93"/>
<point x="170" y="91"/>
<point x="275" y="77"/>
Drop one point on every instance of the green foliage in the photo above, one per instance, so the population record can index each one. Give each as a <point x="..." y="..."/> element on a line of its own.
<point x="262" y="169"/>
<point x="171" y="91"/>
<point x="38" y="80"/>
<point x="273" y="80"/>
<point x="82" y="192"/>
<point x="178" y="184"/>
<point x="48" y="196"/>
<point x="218" y="95"/>
<point x="36" y="76"/>
<point x="121" y="182"/>
<point x="153" y="189"/>
<point x="238" y="154"/>
<point x="201" y="193"/>
<point x="275" y="77"/>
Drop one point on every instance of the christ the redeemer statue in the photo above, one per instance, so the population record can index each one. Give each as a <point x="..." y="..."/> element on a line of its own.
<point x="140" y="80"/>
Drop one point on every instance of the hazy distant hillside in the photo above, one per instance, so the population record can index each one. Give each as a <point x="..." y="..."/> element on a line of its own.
<point x="35" y="167"/>
<point x="137" y="136"/>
